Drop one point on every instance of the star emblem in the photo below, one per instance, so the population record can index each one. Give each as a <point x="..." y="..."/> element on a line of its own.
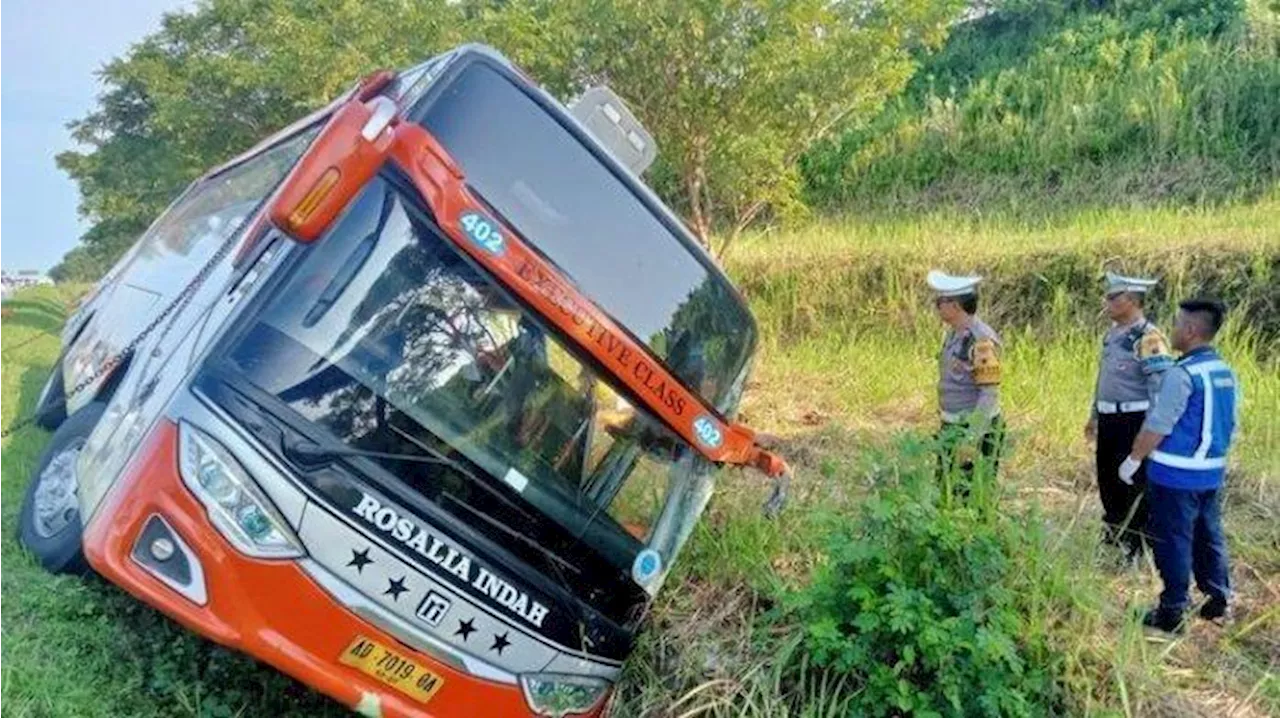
<point x="465" y="628"/>
<point x="360" y="559"/>
<point x="499" y="642"/>
<point x="395" y="587"/>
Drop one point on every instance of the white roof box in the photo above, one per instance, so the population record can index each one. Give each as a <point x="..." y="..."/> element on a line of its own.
<point x="606" y="116"/>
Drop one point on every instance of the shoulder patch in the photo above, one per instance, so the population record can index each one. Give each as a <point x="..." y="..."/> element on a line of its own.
<point x="985" y="358"/>
<point x="1153" y="351"/>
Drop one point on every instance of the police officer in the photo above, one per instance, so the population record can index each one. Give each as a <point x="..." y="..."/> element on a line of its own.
<point x="968" y="377"/>
<point x="1134" y="355"/>
<point x="1185" y="439"/>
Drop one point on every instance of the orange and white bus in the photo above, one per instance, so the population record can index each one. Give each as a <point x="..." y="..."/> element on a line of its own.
<point x="417" y="401"/>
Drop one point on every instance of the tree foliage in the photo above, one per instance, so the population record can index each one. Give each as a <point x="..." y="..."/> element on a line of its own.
<point x="212" y="82"/>
<point x="734" y="90"/>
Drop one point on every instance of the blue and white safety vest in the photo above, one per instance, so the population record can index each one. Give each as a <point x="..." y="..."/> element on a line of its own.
<point x="1194" y="454"/>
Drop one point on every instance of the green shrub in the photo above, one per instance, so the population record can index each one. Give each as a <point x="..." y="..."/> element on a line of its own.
<point x="924" y="600"/>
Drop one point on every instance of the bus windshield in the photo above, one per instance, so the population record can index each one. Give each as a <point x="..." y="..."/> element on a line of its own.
<point x="572" y="207"/>
<point x="386" y="336"/>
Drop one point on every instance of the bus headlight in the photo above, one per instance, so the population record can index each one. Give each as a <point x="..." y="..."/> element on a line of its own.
<point x="554" y="694"/>
<point x="235" y="504"/>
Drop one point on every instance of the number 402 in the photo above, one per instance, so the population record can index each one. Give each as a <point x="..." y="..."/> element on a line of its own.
<point x="482" y="231"/>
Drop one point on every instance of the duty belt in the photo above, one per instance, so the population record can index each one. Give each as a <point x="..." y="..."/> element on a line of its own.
<point x="1122" y="407"/>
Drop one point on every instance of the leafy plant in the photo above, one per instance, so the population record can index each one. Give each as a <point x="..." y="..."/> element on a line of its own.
<point x="919" y="600"/>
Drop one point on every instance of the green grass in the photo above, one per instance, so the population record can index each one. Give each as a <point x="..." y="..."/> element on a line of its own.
<point x="847" y="368"/>
<point x="1039" y="106"/>
<point x="81" y="648"/>
<point x="835" y="402"/>
<point x="949" y="235"/>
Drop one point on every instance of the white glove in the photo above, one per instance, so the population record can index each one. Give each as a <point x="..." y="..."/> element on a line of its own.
<point x="1128" y="469"/>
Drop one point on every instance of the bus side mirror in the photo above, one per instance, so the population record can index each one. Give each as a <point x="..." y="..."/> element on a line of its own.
<point x="340" y="161"/>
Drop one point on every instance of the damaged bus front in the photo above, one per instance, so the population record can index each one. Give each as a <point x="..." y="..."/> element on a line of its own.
<point x="430" y="438"/>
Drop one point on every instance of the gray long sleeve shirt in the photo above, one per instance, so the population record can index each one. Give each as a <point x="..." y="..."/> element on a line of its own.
<point x="1134" y="356"/>
<point x="1169" y="404"/>
<point x="969" y="374"/>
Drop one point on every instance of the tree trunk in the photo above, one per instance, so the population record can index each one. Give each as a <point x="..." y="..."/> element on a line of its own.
<point x="745" y="218"/>
<point x="695" y="184"/>
<point x="697" y="218"/>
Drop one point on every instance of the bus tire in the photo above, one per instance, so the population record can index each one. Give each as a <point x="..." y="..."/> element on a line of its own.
<point x="49" y="523"/>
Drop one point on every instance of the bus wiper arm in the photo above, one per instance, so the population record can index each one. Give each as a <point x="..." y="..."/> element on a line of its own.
<point x="309" y="452"/>
<point x="556" y="561"/>
<point x="304" y="450"/>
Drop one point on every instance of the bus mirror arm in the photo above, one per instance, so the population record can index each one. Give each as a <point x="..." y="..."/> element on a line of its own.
<point x="776" y="468"/>
<point x="768" y="462"/>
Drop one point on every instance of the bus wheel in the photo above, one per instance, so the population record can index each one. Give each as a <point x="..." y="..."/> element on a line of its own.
<point x="49" y="523"/>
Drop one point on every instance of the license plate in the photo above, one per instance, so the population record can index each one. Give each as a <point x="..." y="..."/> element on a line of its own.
<point x="392" y="668"/>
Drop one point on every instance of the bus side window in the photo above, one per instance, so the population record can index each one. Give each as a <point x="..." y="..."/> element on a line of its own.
<point x="210" y="211"/>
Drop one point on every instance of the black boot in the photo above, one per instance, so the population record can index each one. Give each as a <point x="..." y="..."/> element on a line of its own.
<point x="1165" y="620"/>
<point x="1214" y="609"/>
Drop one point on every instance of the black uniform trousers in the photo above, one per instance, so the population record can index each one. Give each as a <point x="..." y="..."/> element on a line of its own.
<point x="952" y="435"/>
<point x="1124" y="509"/>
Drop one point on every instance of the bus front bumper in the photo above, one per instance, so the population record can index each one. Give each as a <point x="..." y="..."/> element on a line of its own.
<point x="269" y="609"/>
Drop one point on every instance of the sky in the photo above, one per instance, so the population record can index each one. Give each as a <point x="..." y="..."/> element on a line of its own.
<point x="50" y="52"/>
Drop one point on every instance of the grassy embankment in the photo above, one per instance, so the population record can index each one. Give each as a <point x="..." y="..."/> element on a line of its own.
<point x="846" y="370"/>
<point x="1044" y="107"/>
<point x="81" y="648"/>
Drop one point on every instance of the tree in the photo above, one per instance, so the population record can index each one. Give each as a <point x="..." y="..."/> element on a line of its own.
<point x="733" y="90"/>
<point x="212" y="82"/>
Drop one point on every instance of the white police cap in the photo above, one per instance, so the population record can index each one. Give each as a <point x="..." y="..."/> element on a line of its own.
<point x="947" y="285"/>
<point x="1118" y="283"/>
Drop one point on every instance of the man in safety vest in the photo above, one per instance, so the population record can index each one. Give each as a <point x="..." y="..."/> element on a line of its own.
<point x="1185" y="439"/>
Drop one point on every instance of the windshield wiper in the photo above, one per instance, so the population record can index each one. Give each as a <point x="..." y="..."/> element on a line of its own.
<point x="305" y="450"/>
<point x="302" y="451"/>
<point x="552" y="556"/>
<point x="321" y="454"/>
